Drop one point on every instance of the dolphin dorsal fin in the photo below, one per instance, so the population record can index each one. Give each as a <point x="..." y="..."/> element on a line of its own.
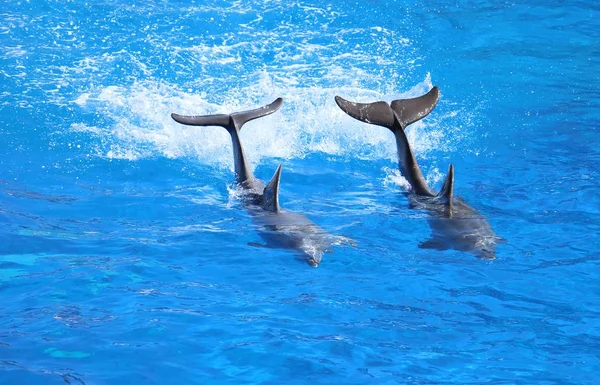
<point x="412" y="110"/>
<point x="271" y="193"/>
<point x="447" y="192"/>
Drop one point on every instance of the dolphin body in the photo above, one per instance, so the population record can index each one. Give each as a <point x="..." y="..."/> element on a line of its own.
<point x="454" y="224"/>
<point x="278" y="227"/>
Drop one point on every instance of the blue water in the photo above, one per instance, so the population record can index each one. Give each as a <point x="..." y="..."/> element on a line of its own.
<point x="124" y="253"/>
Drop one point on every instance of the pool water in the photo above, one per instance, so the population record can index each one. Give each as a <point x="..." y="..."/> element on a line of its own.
<point x="126" y="255"/>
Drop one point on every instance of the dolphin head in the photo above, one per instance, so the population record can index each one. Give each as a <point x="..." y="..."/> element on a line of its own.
<point x="314" y="258"/>
<point x="313" y="251"/>
<point x="485" y="248"/>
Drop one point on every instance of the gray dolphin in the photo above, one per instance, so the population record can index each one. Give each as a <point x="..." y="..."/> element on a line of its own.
<point x="454" y="224"/>
<point x="278" y="227"/>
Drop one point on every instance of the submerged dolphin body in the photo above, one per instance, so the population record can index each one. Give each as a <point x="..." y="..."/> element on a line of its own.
<point x="278" y="227"/>
<point x="454" y="224"/>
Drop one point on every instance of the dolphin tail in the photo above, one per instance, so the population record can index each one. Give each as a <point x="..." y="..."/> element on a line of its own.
<point x="401" y="112"/>
<point x="409" y="111"/>
<point x="235" y="121"/>
<point x="396" y="117"/>
<point x="233" y="124"/>
<point x="271" y="193"/>
<point x="378" y="113"/>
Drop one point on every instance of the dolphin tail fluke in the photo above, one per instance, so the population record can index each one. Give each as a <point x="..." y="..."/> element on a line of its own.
<point x="378" y="113"/>
<point x="271" y="193"/>
<point x="204" y="120"/>
<point x="412" y="110"/>
<point x="241" y="118"/>
<point x="230" y="122"/>
<point x="407" y="111"/>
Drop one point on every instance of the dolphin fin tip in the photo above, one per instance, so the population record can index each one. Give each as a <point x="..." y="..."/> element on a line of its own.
<point x="275" y="105"/>
<point x="341" y="102"/>
<point x="181" y="119"/>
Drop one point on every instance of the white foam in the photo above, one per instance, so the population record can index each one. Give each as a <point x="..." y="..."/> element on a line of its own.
<point x="136" y="123"/>
<point x="394" y="177"/>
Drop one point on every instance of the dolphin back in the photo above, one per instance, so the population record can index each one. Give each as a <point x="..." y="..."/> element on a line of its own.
<point x="234" y="121"/>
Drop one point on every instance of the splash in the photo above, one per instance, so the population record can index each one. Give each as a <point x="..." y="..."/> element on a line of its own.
<point x="135" y="123"/>
<point x="120" y="81"/>
<point x="243" y="64"/>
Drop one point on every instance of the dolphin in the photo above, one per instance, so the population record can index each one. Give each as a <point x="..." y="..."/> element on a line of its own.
<point x="454" y="224"/>
<point x="278" y="227"/>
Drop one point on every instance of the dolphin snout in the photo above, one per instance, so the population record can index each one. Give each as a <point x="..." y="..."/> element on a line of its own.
<point x="313" y="262"/>
<point x="487" y="255"/>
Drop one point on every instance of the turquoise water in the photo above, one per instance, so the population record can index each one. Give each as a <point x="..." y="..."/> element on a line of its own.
<point x="124" y="248"/>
